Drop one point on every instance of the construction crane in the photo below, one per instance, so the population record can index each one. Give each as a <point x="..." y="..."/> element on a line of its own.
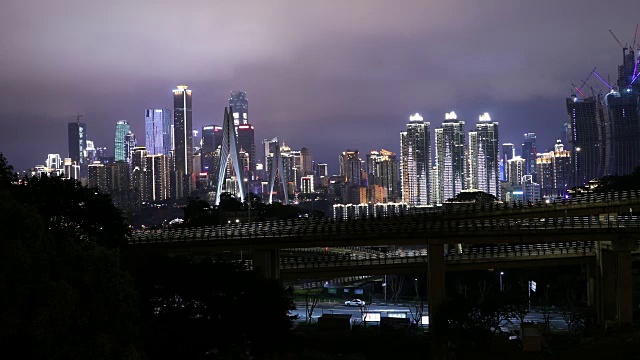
<point x="635" y="37"/>
<point x="618" y="41"/>
<point x="601" y="79"/>
<point x="577" y="89"/>
<point x="584" y="82"/>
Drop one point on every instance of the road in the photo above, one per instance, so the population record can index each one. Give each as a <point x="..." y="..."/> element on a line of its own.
<point x="404" y="310"/>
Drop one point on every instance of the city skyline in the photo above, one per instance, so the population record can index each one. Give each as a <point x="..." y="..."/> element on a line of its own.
<point x="350" y="83"/>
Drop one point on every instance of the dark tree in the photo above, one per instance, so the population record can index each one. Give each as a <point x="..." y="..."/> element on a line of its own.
<point x="72" y="210"/>
<point x="7" y="176"/>
<point x="196" y="307"/>
<point x="62" y="298"/>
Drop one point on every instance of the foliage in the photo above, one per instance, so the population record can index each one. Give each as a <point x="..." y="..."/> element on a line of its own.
<point x="61" y="298"/>
<point x="200" y="213"/>
<point x="620" y="182"/>
<point x="475" y="196"/>
<point x="72" y="210"/>
<point x="7" y="176"/>
<point x="192" y="308"/>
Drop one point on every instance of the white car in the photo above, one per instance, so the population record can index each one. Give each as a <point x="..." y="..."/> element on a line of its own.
<point x="354" y="302"/>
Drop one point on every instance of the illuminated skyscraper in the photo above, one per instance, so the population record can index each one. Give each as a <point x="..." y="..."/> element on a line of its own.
<point x="240" y="105"/>
<point x="77" y="145"/>
<point x="157" y="128"/>
<point x="351" y="167"/>
<point x="484" y="157"/>
<point x="130" y="143"/>
<point x="183" y="137"/>
<point x="516" y="169"/>
<point x="122" y="129"/>
<point x="383" y="170"/>
<point x="415" y="161"/>
<point x="246" y="143"/>
<point x="529" y="154"/>
<point x="554" y="171"/>
<point x="211" y="139"/>
<point x="451" y="157"/>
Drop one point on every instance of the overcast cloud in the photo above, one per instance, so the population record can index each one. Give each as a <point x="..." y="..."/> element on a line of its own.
<point x="327" y="75"/>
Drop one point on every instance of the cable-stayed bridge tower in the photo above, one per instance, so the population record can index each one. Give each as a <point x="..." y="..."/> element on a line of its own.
<point x="229" y="149"/>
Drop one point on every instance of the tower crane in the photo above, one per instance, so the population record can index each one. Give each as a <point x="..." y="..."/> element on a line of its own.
<point x="618" y="41"/>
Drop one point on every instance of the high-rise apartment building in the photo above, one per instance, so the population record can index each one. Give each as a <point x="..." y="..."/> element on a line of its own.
<point x="508" y="152"/>
<point x="122" y="129"/>
<point x="138" y="175"/>
<point x="383" y="169"/>
<point x="156" y="178"/>
<point x="183" y="137"/>
<point x="157" y="129"/>
<point x="77" y="132"/>
<point x="451" y="157"/>
<point x="211" y="139"/>
<point x="484" y="157"/>
<point x="130" y="143"/>
<point x="351" y="167"/>
<point x="554" y="171"/>
<point x="516" y="169"/>
<point x="97" y="177"/>
<point x="306" y="162"/>
<point x="415" y="161"/>
<point x="529" y="154"/>
<point x="588" y="138"/>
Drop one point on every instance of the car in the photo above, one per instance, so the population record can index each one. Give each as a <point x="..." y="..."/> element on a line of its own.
<point x="354" y="302"/>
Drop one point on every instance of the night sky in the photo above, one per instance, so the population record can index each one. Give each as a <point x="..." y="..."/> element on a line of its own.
<point x="326" y="75"/>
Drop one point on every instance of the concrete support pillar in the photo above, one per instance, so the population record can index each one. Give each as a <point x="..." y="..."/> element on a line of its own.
<point x="267" y="262"/>
<point x="436" y="297"/>
<point x="614" y="290"/>
<point x="625" y="288"/>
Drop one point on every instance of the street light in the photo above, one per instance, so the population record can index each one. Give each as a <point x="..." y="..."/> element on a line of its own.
<point x="501" y="273"/>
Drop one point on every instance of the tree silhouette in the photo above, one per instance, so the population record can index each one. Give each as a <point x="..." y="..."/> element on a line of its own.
<point x="73" y="210"/>
<point x="61" y="298"/>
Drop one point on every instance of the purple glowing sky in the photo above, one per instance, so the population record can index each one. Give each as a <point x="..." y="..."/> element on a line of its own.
<point x="327" y="75"/>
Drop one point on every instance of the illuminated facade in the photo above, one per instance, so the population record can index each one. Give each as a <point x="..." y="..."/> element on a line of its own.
<point x="156" y="178"/>
<point x="530" y="153"/>
<point x="240" y="105"/>
<point x="484" y="157"/>
<point x="122" y="129"/>
<point x="554" y="171"/>
<point x="451" y="157"/>
<point x="351" y="167"/>
<point x="383" y="169"/>
<point x="211" y="140"/>
<point x="183" y="137"/>
<point x="77" y="132"/>
<point x="415" y="161"/>
<point x="157" y="129"/>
